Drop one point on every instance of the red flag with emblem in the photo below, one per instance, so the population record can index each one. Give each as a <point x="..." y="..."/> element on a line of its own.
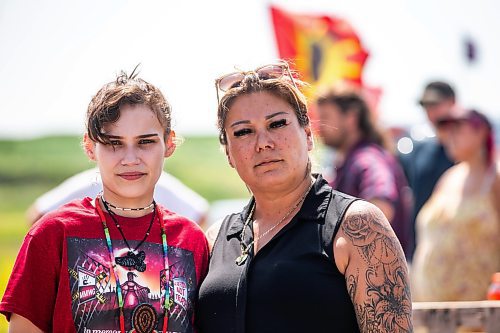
<point x="322" y="49"/>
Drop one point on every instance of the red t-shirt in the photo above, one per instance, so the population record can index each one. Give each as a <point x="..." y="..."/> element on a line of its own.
<point x="62" y="280"/>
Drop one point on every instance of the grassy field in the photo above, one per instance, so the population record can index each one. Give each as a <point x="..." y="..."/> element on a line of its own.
<point x="28" y="168"/>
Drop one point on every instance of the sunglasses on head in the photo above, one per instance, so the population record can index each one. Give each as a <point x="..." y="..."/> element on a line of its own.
<point x="266" y="72"/>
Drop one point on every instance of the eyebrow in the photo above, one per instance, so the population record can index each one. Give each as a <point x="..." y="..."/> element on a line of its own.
<point x="142" y="136"/>
<point x="267" y="118"/>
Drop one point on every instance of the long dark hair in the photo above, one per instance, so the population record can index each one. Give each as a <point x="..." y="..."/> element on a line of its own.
<point x="351" y="100"/>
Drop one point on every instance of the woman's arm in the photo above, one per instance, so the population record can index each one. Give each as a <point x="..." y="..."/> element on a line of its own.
<point x="19" y="324"/>
<point x="370" y="256"/>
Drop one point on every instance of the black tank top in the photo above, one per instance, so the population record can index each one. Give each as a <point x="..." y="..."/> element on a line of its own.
<point x="291" y="285"/>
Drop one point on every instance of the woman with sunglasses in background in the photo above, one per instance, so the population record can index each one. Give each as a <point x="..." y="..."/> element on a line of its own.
<point x="118" y="262"/>
<point x="300" y="257"/>
<point x="458" y="228"/>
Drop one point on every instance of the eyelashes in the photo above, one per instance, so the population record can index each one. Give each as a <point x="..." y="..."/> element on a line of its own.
<point x="278" y="123"/>
<point x="242" y="132"/>
<point x="273" y="125"/>
<point x="141" y="142"/>
<point x="146" y="141"/>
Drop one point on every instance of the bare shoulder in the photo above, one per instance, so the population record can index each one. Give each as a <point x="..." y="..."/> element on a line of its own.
<point x="212" y="233"/>
<point x="375" y="270"/>
<point x="363" y="224"/>
<point x="451" y="179"/>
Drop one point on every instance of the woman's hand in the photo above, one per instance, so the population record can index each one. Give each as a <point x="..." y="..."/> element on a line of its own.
<point x="370" y="256"/>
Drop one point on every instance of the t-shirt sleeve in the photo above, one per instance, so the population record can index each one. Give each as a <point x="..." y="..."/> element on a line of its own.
<point x="32" y="287"/>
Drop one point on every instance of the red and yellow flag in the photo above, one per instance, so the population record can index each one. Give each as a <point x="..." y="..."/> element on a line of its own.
<point x="322" y="49"/>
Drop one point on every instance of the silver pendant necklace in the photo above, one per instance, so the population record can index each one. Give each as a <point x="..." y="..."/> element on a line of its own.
<point x="245" y="250"/>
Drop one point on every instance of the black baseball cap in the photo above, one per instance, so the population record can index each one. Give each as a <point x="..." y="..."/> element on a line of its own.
<point x="435" y="92"/>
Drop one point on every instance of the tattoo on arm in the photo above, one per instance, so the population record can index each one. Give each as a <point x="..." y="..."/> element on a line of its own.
<point x="378" y="283"/>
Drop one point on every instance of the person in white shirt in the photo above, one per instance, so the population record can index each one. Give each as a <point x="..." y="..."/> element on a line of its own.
<point x="169" y="192"/>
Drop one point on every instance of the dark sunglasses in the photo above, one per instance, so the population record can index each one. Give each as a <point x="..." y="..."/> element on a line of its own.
<point x="428" y="104"/>
<point x="266" y="72"/>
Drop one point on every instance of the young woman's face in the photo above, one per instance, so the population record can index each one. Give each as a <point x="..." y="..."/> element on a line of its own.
<point x="265" y="143"/>
<point x="463" y="140"/>
<point x="131" y="165"/>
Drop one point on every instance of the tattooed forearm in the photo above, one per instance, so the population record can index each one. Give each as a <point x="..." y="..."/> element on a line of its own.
<point x="377" y="280"/>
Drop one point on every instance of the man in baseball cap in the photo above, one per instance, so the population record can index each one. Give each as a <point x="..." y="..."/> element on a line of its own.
<point x="438" y="101"/>
<point x="428" y="160"/>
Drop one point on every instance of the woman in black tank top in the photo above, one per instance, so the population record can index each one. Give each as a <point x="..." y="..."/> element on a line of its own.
<point x="300" y="257"/>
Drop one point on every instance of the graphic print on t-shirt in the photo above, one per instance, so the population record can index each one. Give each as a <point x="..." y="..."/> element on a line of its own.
<point x="93" y="288"/>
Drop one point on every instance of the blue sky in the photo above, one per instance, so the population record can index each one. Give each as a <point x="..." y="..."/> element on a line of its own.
<point x="56" y="54"/>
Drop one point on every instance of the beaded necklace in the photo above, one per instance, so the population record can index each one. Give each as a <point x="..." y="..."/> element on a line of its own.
<point x="132" y="260"/>
<point x="106" y="203"/>
<point x="166" y="304"/>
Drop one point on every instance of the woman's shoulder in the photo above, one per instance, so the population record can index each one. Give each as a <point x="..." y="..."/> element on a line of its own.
<point x="364" y="222"/>
<point x="365" y="232"/>
<point x="366" y="215"/>
<point x="452" y="178"/>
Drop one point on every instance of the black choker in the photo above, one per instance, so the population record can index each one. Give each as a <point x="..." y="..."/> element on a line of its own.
<point x="131" y="260"/>
<point x="106" y="203"/>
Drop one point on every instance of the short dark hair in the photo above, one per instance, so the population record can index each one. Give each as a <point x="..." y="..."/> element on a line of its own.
<point x="444" y="89"/>
<point x="104" y="108"/>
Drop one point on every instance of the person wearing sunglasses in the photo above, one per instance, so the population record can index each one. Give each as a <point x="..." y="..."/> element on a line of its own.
<point x="428" y="160"/>
<point x="458" y="246"/>
<point x="300" y="257"/>
<point x="117" y="262"/>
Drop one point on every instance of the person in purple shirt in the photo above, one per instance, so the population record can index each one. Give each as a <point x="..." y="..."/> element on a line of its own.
<point x="364" y="166"/>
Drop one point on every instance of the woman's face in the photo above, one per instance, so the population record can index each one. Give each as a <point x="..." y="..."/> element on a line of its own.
<point x="464" y="141"/>
<point x="131" y="165"/>
<point x="265" y="143"/>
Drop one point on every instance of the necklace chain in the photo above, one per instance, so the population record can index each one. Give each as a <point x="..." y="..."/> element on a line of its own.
<point x="246" y="249"/>
<point x="166" y="268"/>
<point x="110" y="212"/>
<point x="107" y="203"/>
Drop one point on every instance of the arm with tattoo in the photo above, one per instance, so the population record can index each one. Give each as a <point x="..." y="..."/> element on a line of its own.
<point x="376" y="272"/>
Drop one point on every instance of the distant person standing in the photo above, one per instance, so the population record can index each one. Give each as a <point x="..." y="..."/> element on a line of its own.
<point x="169" y="192"/>
<point x="458" y="246"/>
<point x="364" y="166"/>
<point x="428" y="160"/>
